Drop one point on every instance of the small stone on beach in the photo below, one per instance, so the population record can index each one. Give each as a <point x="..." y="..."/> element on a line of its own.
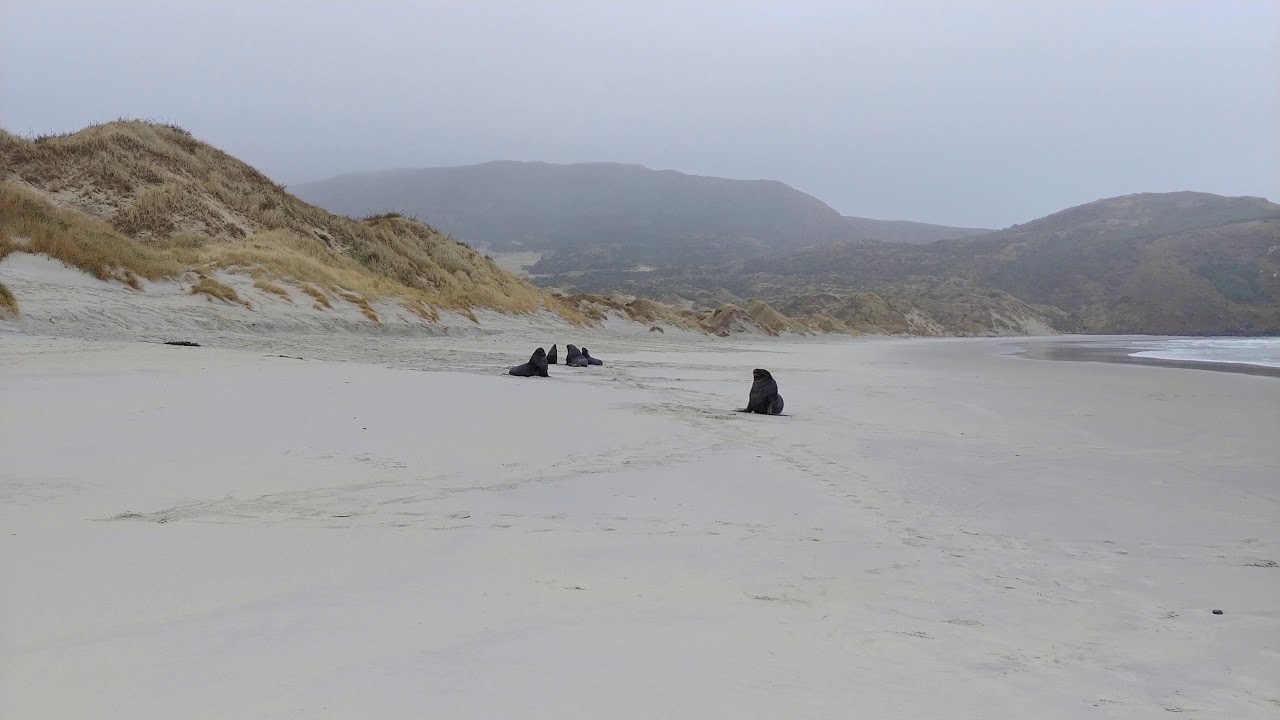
<point x="1217" y="612"/>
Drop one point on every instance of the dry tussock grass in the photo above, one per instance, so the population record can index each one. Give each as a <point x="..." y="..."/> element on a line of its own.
<point x="160" y="210"/>
<point x="595" y="308"/>
<point x="8" y="303"/>
<point x="361" y="303"/>
<point x="79" y="240"/>
<point x="181" y="205"/>
<point x="770" y="320"/>
<point x="421" y="309"/>
<point x="219" y="291"/>
<point x="321" y="299"/>
<point x="724" y="319"/>
<point x="266" y="285"/>
<point x="758" y="315"/>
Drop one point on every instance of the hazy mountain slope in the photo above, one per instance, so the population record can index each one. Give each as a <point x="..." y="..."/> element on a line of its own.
<point x="128" y="199"/>
<point x="1176" y="263"/>
<point x="607" y="216"/>
<point x="1059" y="258"/>
<point x="905" y="231"/>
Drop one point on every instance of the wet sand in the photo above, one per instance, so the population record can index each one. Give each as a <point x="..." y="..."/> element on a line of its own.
<point x="1118" y="350"/>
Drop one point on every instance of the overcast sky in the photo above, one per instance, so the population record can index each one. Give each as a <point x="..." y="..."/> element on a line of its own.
<point x="963" y="113"/>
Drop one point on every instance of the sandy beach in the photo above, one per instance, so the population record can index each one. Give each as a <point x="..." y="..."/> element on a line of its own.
<point x="938" y="529"/>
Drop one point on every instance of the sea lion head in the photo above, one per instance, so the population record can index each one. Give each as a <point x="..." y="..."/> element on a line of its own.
<point x="760" y="374"/>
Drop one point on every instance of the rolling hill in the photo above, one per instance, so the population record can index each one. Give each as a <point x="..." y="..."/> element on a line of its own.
<point x="605" y="216"/>
<point x="1168" y="263"/>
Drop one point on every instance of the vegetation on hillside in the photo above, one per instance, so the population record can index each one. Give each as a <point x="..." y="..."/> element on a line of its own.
<point x="8" y="303"/>
<point x="952" y="308"/>
<point x="128" y="200"/>
<point x="1174" y="263"/>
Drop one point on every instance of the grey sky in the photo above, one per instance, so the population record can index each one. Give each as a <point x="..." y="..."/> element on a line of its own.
<point x="965" y="113"/>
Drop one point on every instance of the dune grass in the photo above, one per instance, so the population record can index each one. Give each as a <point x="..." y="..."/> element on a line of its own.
<point x="78" y="240"/>
<point x="595" y="308"/>
<point x="421" y="309"/>
<point x="363" y="304"/>
<point x="218" y="291"/>
<point x="321" y="299"/>
<point x="153" y="202"/>
<point x="266" y="285"/>
<point x="8" y="303"/>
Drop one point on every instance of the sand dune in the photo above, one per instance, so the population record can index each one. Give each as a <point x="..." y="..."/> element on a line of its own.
<point x="939" y="529"/>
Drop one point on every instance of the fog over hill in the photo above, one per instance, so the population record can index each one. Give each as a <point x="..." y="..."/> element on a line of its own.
<point x="608" y="215"/>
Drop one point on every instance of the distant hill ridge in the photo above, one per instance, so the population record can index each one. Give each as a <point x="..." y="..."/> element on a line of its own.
<point x="1180" y="262"/>
<point x="592" y="216"/>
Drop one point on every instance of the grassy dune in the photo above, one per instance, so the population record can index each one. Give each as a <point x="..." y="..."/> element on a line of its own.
<point x="128" y="200"/>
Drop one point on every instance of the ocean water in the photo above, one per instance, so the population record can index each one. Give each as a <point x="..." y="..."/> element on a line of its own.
<point x="1263" y="351"/>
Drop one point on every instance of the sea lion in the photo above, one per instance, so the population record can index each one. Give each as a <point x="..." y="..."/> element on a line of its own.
<point x="591" y="360"/>
<point x="764" y="398"/>
<point x="537" y="365"/>
<point x="551" y="356"/>
<point x="574" y="358"/>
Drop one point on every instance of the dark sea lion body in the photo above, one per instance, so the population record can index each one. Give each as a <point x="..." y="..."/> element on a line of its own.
<point x="537" y="366"/>
<point x="573" y="357"/>
<point x="764" y="398"/>
<point x="591" y="360"/>
<point x="551" y="356"/>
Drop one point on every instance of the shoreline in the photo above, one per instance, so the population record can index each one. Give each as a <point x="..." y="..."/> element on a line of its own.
<point x="1092" y="349"/>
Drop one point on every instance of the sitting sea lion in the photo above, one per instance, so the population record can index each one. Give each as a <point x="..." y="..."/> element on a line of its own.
<point x="764" y="398"/>
<point x="591" y="360"/>
<point x="551" y="356"/>
<point x="537" y="365"/>
<point x="574" y="358"/>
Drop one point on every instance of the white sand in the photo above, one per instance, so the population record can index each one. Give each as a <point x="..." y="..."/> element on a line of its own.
<point x="937" y="530"/>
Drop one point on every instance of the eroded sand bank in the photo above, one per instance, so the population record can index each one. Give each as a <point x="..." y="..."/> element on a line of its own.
<point x="939" y="529"/>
